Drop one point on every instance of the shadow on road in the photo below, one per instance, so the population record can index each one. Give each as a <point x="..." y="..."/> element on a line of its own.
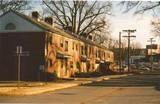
<point x="130" y="81"/>
<point x="66" y="93"/>
<point x="158" y="87"/>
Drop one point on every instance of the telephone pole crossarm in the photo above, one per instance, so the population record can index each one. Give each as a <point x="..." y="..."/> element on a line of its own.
<point x="129" y="31"/>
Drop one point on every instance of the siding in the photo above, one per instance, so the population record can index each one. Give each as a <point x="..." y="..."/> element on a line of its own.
<point x="21" y="24"/>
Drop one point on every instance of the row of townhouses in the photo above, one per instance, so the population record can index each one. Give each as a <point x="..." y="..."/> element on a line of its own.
<point x="42" y="47"/>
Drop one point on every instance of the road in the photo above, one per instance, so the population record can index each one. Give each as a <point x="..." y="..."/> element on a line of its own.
<point x="135" y="89"/>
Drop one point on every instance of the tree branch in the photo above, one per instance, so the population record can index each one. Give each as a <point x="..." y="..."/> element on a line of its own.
<point x="54" y="13"/>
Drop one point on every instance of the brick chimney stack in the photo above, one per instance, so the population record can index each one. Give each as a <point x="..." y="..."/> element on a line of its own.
<point x="49" y="20"/>
<point x="35" y="15"/>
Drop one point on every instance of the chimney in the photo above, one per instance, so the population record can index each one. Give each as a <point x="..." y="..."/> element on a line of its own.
<point x="49" y="20"/>
<point x="90" y="37"/>
<point x="35" y="15"/>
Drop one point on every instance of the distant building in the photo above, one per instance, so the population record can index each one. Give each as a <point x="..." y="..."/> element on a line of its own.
<point x="135" y="54"/>
<point x="51" y="49"/>
<point x="155" y="50"/>
<point x="137" y="58"/>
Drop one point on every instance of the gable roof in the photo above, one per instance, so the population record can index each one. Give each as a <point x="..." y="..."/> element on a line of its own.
<point x="41" y="24"/>
<point x="46" y="27"/>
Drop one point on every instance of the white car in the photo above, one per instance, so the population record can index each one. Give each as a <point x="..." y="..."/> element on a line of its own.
<point x="145" y="68"/>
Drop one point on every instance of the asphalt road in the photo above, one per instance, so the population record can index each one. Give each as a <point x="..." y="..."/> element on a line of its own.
<point x="136" y="89"/>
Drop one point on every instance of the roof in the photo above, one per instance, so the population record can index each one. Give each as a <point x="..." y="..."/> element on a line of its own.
<point x="45" y="26"/>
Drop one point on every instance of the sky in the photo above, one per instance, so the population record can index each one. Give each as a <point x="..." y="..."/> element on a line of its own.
<point x="121" y="21"/>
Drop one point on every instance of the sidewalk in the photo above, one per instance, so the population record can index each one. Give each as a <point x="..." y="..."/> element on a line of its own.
<point x="11" y="89"/>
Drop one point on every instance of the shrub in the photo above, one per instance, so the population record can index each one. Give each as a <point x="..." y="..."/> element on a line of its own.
<point x="87" y="74"/>
<point x="49" y="76"/>
<point x="52" y="76"/>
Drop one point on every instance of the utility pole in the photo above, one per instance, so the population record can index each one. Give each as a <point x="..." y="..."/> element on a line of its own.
<point x="120" y="58"/>
<point x="19" y="53"/>
<point x="129" y="36"/>
<point x="151" y="57"/>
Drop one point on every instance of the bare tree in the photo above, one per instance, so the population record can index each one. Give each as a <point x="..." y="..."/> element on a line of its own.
<point x="136" y="45"/>
<point x="156" y="27"/>
<point x="81" y="17"/>
<point x="16" y="5"/>
<point x="102" y="36"/>
<point x="141" y="6"/>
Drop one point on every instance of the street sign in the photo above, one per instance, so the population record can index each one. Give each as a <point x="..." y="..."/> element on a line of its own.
<point x="19" y="53"/>
<point x="153" y="46"/>
<point x="41" y="67"/>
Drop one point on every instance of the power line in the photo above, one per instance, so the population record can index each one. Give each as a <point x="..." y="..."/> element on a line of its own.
<point x="151" y="57"/>
<point x="120" y="58"/>
<point x="129" y="36"/>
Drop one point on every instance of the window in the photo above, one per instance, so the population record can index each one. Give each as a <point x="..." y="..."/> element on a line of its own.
<point x="99" y="53"/>
<point x="50" y="39"/>
<point x="93" y="66"/>
<point x="109" y="56"/>
<point x="71" y="64"/>
<point x="61" y="43"/>
<point x="88" y="65"/>
<point x="66" y="45"/>
<point x="82" y="50"/>
<point x="78" y="66"/>
<point x="61" y="63"/>
<point x="10" y="26"/>
<point x="73" y="45"/>
<point x="85" y="50"/>
<point x="66" y="64"/>
<point x="96" y="53"/>
<point x="90" y="50"/>
<point x="50" y="62"/>
<point x="76" y="47"/>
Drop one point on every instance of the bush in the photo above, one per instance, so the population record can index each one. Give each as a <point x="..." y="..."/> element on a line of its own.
<point x="49" y="76"/>
<point x="87" y="74"/>
<point x="53" y="76"/>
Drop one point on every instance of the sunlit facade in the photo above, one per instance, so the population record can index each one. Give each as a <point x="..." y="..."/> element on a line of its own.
<point x="51" y="49"/>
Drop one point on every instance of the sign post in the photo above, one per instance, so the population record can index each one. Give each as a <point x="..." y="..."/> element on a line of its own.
<point x="19" y="53"/>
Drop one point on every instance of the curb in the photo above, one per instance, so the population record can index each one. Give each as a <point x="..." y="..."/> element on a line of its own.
<point x="50" y="89"/>
<point x="26" y="92"/>
<point x="83" y="83"/>
<point x="23" y="92"/>
<point x="41" y="90"/>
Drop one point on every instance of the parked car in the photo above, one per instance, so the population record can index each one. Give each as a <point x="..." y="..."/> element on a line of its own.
<point x="125" y="68"/>
<point x="145" y="68"/>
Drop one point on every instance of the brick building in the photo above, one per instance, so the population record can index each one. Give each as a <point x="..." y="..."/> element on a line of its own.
<point x="49" y="47"/>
